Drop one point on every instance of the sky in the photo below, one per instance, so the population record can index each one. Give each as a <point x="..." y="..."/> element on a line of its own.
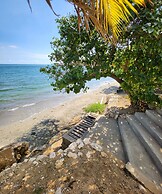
<point x="25" y="36"/>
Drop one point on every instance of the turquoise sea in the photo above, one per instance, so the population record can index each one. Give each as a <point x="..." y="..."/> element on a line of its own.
<point x="25" y="91"/>
<point x="22" y="83"/>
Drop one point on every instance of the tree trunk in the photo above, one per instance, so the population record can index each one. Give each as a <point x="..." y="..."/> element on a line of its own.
<point x="116" y="78"/>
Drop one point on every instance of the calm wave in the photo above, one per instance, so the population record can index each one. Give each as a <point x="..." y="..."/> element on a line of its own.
<point x="22" y="83"/>
<point x="25" y="91"/>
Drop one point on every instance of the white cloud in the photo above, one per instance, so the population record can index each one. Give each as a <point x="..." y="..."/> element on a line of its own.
<point x="13" y="46"/>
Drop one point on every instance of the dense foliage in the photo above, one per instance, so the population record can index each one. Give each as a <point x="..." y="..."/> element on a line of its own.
<point x="135" y="62"/>
<point x="139" y="64"/>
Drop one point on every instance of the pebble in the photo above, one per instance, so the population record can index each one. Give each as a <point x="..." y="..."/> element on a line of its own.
<point x="72" y="155"/>
<point x="60" y="151"/>
<point x="80" y="143"/>
<point x="52" y="155"/>
<point x="35" y="163"/>
<point x="89" y="153"/>
<point x="40" y="157"/>
<point x="96" y="147"/>
<point x="72" y="146"/>
<point x="116" y="149"/>
<point x="26" y="160"/>
<point x="59" y="163"/>
<point x="32" y="159"/>
<point x="103" y="154"/>
<point x="80" y="154"/>
<point x="86" y="141"/>
<point x="14" y="165"/>
<point x="11" y="174"/>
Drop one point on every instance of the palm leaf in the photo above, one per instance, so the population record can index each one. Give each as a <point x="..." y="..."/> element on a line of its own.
<point x="49" y="3"/>
<point x="108" y="16"/>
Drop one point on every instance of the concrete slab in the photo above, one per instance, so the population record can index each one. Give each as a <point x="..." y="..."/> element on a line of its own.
<point x="151" y="127"/>
<point x="150" y="144"/>
<point x="137" y="156"/>
<point x="157" y="118"/>
<point x="106" y="133"/>
<point x="144" y="180"/>
<point x="159" y="111"/>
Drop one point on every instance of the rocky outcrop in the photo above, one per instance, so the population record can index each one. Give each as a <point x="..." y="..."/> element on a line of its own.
<point x="13" y="153"/>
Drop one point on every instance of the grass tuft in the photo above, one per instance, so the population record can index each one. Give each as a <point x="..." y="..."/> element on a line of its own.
<point x="95" y="108"/>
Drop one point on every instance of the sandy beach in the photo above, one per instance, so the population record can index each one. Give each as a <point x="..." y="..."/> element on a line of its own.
<point x="63" y="113"/>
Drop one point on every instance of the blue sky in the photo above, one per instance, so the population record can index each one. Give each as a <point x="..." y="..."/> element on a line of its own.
<point x="24" y="36"/>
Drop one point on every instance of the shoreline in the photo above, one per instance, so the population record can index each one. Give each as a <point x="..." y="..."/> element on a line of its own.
<point x="63" y="113"/>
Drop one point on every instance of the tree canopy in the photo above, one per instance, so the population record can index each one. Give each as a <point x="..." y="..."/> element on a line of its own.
<point x="135" y="61"/>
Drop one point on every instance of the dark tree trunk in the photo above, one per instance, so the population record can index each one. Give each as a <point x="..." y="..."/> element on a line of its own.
<point x="116" y="78"/>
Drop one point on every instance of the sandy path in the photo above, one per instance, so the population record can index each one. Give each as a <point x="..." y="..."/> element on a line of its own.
<point x="63" y="113"/>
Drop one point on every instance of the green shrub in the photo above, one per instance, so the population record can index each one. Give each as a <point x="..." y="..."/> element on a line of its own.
<point x="96" y="108"/>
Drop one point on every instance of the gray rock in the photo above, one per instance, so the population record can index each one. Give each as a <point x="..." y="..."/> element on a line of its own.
<point x="78" y="141"/>
<point x="86" y="141"/>
<point x="52" y="155"/>
<point x="72" y="146"/>
<point x="58" y="190"/>
<point x="40" y="157"/>
<point x="60" y="151"/>
<point x="81" y="145"/>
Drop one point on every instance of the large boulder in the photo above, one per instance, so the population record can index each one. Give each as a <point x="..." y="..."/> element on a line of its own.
<point x="13" y="153"/>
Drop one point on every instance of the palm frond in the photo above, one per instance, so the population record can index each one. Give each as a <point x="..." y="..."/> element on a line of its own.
<point x="108" y="16"/>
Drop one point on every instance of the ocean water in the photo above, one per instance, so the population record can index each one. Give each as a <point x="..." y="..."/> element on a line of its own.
<point x="25" y="91"/>
<point x="20" y="84"/>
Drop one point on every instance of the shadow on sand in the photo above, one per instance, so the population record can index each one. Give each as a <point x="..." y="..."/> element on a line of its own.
<point x="40" y="134"/>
